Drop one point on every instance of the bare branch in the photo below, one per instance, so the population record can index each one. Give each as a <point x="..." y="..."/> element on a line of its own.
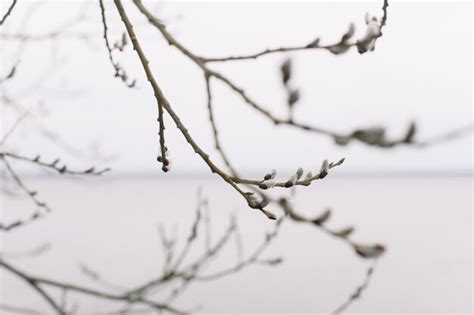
<point x="35" y="282"/>
<point x="161" y="99"/>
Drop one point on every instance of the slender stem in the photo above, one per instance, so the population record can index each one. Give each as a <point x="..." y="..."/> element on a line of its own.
<point x="217" y="143"/>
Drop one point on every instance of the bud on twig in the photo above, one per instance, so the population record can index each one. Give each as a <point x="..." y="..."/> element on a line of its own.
<point x="410" y="133"/>
<point x="322" y="218"/>
<point x="299" y="173"/>
<point x="291" y="182"/>
<point x="314" y="43"/>
<point x="293" y="97"/>
<point x="267" y="184"/>
<point x="345" y="232"/>
<point x="324" y="169"/>
<point x="369" y="251"/>
<point x="270" y="175"/>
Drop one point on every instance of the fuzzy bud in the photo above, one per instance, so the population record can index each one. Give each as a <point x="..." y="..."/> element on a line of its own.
<point x="410" y="133"/>
<point x="253" y="201"/>
<point x="293" y="97"/>
<point x="339" y="48"/>
<point x="286" y="71"/>
<point x="314" y="43"/>
<point x="291" y="182"/>
<point x="270" y="175"/>
<point x="342" y="140"/>
<point x="369" y="251"/>
<point x="322" y="218"/>
<point x="299" y="173"/>
<point x="266" y="184"/>
<point x="348" y="35"/>
<point x="345" y="232"/>
<point x="367" y="43"/>
<point x="324" y="169"/>
<point x="264" y="202"/>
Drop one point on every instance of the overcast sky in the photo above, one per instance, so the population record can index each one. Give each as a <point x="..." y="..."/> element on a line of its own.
<point x="420" y="70"/>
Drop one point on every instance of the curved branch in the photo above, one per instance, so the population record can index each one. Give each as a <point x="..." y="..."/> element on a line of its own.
<point x="370" y="136"/>
<point x="119" y="70"/>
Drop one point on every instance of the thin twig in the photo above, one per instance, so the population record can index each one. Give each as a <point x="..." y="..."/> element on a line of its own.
<point x="119" y="70"/>
<point x="252" y="259"/>
<point x="358" y="291"/>
<point x="9" y="11"/>
<point x="54" y="165"/>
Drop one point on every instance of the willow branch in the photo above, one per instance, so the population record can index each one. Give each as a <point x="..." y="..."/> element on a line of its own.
<point x="312" y="45"/>
<point x="370" y="136"/>
<point x="161" y="99"/>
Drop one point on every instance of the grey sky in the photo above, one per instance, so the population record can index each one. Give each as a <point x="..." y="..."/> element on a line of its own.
<point x="421" y="70"/>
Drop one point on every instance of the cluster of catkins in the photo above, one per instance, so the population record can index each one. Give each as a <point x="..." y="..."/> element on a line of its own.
<point x="364" y="44"/>
<point x="269" y="178"/>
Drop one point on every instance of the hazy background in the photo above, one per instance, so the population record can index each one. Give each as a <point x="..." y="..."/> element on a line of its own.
<point x="418" y="202"/>
<point x="111" y="225"/>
